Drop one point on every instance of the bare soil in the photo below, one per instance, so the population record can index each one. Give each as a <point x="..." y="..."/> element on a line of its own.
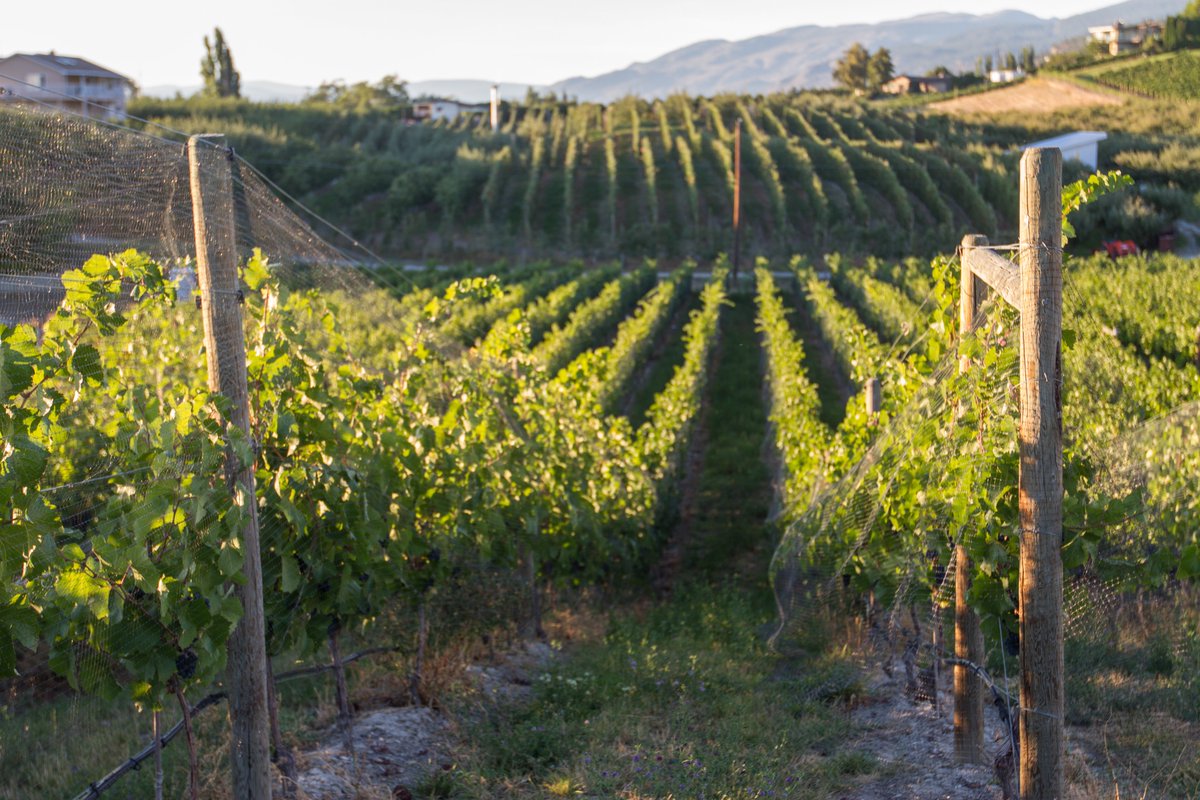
<point x="396" y="750"/>
<point x="913" y="745"/>
<point x="1038" y="95"/>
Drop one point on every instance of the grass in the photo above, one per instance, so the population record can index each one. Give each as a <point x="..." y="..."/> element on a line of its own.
<point x="1133" y="697"/>
<point x="57" y="747"/>
<point x="734" y="489"/>
<point x="681" y="698"/>
<point x="677" y="700"/>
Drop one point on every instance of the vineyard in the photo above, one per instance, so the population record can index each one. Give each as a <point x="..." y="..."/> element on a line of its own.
<point x="242" y="463"/>
<point x="633" y="178"/>
<point x="1172" y="77"/>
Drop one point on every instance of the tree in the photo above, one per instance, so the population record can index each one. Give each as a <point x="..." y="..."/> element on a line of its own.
<point x="880" y="69"/>
<point x="988" y="66"/>
<point x="216" y="68"/>
<point x="389" y="94"/>
<point x="1028" y="60"/>
<point x="1183" y="31"/>
<point x="852" y="70"/>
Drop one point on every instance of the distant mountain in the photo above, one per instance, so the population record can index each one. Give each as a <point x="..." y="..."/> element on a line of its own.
<point x="469" y="91"/>
<point x="803" y="57"/>
<point x="258" y="91"/>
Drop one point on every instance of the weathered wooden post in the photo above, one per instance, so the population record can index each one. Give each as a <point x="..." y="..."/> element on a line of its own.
<point x="968" y="638"/>
<point x="737" y="198"/>
<point x="224" y="342"/>
<point x="1041" y="483"/>
<point x="873" y="394"/>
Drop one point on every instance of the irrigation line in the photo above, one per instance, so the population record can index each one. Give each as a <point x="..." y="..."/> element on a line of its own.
<point x="96" y="789"/>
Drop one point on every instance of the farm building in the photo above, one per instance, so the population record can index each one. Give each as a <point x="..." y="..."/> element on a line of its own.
<point x="1122" y="38"/>
<point x="67" y="82"/>
<point x="435" y="108"/>
<point x="1082" y="146"/>
<point x="912" y="84"/>
<point x="1005" y="75"/>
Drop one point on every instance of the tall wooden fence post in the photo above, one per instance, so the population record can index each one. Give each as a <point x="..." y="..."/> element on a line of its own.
<point x="1041" y="483"/>
<point x="968" y="638"/>
<point x="224" y="342"/>
<point x="873" y="396"/>
<point x="737" y="198"/>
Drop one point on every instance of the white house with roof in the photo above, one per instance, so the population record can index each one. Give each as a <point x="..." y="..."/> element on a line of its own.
<point x="435" y="108"/>
<point x="1005" y="75"/>
<point x="67" y="82"/>
<point x="1122" y="38"/>
<point x="1082" y="146"/>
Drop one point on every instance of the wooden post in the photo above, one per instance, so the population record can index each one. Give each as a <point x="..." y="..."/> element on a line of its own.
<point x="1040" y="483"/>
<point x="968" y="638"/>
<point x="874" y="397"/>
<point x="345" y="715"/>
<point x="737" y="197"/>
<point x="224" y="342"/>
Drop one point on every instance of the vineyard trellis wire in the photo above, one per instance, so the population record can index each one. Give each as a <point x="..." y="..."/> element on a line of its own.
<point x="390" y="454"/>
<point x="350" y="360"/>
<point x="930" y="489"/>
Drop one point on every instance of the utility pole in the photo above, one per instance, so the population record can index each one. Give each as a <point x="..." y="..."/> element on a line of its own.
<point x="737" y="197"/>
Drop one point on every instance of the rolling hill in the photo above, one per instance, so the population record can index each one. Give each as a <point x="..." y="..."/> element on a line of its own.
<point x="803" y="56"/>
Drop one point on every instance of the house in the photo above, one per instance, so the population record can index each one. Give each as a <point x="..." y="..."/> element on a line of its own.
<point x="912" y="84"/>
<point x="66" y="82"/>
<point x="435" y="108"/>
<point x="1005" y="75"/>
<point x="1082" y="146"/>
<point x="1122" y="38"/>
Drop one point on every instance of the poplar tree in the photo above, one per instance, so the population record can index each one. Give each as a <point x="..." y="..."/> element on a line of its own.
<point x="217" y="70"/>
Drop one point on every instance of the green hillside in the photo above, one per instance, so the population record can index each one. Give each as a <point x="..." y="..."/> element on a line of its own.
<point x="1168" y="76"/>
<point x="634" y="177"/>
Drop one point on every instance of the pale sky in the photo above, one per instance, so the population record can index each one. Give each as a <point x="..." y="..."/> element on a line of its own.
<point x="537" y="41"/>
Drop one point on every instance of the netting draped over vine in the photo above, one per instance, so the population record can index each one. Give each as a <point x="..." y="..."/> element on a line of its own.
<point x="870" y="561"/>
<point x="432" y="448"/>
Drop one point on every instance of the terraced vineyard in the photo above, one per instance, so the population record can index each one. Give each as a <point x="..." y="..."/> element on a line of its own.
<point x="635" y="177"/>
<point x="435" y="461"/>
<point x="1174" y="76"/>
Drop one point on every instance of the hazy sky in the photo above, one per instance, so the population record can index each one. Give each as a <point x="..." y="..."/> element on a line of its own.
<point x="538" y="41"/>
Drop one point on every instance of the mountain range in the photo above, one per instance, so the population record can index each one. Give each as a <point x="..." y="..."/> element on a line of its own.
<point x="800" y="57"/>
<point x="803" y="57"/>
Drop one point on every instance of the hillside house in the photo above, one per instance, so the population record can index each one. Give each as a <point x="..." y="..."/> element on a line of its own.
<point x="1122" y="38"/>
<point x="1082" y="146"/>
<point x="913" y="84"/>
<point x="67" y="82"/>
<point x="1005" y="75"/>
<point x="435" y="108"/>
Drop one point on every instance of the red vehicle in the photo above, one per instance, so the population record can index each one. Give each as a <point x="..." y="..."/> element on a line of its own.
<point x="1118" y="248"/>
